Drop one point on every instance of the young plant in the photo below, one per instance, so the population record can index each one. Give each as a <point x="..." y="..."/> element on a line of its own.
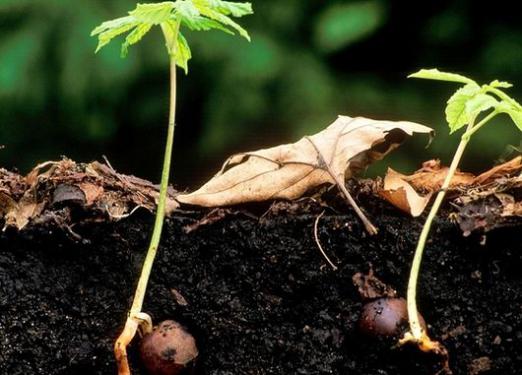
<point x="171" y="17"/>
<point x="472" y="106"/>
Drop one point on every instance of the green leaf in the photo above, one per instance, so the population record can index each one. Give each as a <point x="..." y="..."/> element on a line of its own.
<point x="183" y="53"/>
<point x="215" y="15"/>
<point x="435" y="74"/>
<point x="233" y="9"/>
<point x="345" y="23"/>
<point x="134" y="37"/>
<point x="187" y="10"/>
<point x="155" y="13"/>
<point x="456" y="114"/>
<point x="501" y="84"/>
<point x="106" y="36"/>
<point x="480" y="103"/>
<point x="204" y="24"/>
<point x="199" y="15"/>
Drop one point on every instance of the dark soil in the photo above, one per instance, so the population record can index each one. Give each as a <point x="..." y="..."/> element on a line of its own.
<point x="261" y="299"/>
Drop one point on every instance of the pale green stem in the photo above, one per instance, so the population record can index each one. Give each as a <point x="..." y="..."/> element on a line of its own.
<point x="467" y="135"/>
<point x="139" y="295"/>
<point x="413" y="315"/>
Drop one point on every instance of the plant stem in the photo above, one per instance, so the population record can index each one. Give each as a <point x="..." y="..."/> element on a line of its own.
<point x="467" y="135"/>
<point x="160" y="212"/>
<point x="135" y="316"/>
<point x="413" y="315"/>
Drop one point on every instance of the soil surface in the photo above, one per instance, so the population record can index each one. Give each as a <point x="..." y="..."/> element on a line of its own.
<point x="256" y="293"/>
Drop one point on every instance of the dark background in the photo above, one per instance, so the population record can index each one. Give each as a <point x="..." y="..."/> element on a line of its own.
<point x="308" y="61"/>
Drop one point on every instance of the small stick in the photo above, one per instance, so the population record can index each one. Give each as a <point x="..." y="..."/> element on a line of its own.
<point x="370" y="228"/>
<point x="316" y="236"/>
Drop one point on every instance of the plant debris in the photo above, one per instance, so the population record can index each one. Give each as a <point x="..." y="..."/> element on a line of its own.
<point x="288" y="171"/>
<point x="483" y="201"/>
<point x="52" y="185"/>
<point x="402" y="195"/>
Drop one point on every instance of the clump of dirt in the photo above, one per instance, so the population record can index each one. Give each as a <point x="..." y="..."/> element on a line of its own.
<point x="252" y="287"/>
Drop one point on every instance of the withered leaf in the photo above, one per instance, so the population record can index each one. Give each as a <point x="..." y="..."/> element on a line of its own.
<point x="431" y="177"/>
<point x="502" y="170"/>
<point x="402" y="191"/>
<point x="287" y="171"/>
<point x="401" y="194"/>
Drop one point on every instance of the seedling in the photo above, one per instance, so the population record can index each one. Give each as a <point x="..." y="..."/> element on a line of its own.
<point x="464" y="108"/>
<point x="171" y="16"/>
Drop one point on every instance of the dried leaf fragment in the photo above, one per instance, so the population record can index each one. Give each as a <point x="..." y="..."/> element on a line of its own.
<point x="401" y="194"/>
<point x="502" y="170"/>
<point x="288" y="171"/>
<point x="431" y="176"/>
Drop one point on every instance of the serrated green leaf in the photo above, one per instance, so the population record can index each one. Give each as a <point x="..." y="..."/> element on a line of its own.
<point x="113" y="24"/>
<point x="183" y="53"/>
<point x="134" y="37"/>
<point x="187" y="10"/>
<point x="204" y="24"/>
<point x="105" y="37"/>
<point x="456" y="114"/>
<point x="501" y="84"/>
<point x="234" y="9"/>
<point x="199" y="15"/>
<point x="480" y="103"/>
<point x="154" y="13"/>
<point x="436" y="74"/>
<point x="223" y="19"/>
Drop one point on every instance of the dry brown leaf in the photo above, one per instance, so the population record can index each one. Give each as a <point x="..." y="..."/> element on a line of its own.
<point x="92" y="192"/>
<point x="431" y="176"/>
<point x="510" y="207"/>
<point x="502" y="170"/>
<point x="401" y="190"/>
<point x="401" y="194"/>
<point x="6" y="203"/>
<point x="288" y="171"/>
<point x="23" y="211"/>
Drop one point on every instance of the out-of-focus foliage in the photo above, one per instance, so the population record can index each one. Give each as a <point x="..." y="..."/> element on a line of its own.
<point x="308" y="61"/>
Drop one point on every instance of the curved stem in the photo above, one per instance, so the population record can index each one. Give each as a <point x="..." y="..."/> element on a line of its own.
<point x="132" y="323"/>
<point x="413" y="315"/>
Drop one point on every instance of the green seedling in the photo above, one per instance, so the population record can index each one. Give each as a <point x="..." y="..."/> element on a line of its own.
<point x="472" y="106"/>
<point x="171" y="17"/>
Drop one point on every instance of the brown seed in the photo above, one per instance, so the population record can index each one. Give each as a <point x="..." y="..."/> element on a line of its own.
<point x="386" y="317"/>
<point x="168" y="350"/>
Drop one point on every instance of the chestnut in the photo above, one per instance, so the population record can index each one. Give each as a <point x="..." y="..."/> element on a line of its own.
<point x="168" y="350"/>
<point x="385" y="317"/>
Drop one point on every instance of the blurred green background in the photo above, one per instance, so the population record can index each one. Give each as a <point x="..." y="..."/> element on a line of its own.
<point x="308" y="61"/>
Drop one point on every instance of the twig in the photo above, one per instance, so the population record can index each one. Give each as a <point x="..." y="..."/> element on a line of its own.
<point x="370" y="228"/>
<point x="316" y="236"/>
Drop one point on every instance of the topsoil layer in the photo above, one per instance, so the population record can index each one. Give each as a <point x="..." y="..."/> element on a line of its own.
<point x="259" y="297"/>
